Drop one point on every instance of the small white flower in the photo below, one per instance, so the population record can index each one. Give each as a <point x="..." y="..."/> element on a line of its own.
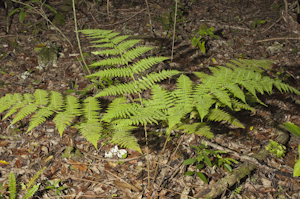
<point x="121" y="152"/>
<point x="115" y="151"/>
<point x="108" y="155"/>
<point x="25" y="75"/>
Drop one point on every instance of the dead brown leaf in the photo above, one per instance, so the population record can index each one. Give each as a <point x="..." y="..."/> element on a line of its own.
<point x="125" y="186"/>
<point x="78" y="165"/>
<point x="3" y="143"/>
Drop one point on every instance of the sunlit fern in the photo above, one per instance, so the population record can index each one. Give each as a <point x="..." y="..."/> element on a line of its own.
<point x="206" y="101"/>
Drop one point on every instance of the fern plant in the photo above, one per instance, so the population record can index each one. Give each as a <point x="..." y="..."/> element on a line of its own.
<point x="225" y="88"/>
<point x="209" y="100"/>
<point x="30" y="188"/>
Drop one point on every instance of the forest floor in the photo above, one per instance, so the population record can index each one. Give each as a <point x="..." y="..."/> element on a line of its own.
<point x="246" y="30"/>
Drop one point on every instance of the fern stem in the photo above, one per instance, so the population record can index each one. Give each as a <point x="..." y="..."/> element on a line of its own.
<point x="156" y="169"/>
<point x="78" y="40"/>
<point x="46" y="18"/>
<point x="175" y="14"/>
<point x="147" y="151"/>
<point x="150" y="22"/>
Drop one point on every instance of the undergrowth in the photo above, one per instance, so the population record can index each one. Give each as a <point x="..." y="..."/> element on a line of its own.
<point x="225" y="90"/>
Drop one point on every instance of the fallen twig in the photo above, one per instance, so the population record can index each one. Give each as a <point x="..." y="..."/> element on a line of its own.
<point x="279" y="38"/>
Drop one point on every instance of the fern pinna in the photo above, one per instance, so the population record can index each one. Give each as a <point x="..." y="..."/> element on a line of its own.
<point x="206" y="100"/>
<point x="226" y="87"/>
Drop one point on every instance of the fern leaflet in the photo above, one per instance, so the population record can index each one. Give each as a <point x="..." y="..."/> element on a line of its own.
<point x="197" y="128"/>
<point x="125" y="139"/>
<point x="220" y="115"/>
<point x="39" y="118"/>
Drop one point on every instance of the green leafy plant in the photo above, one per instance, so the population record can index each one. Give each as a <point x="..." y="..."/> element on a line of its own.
<point x="26" y="8"/>
<point x="204" y="156"/>
<point x="297" y="165"/>
<point x="55" y="186"/>
<point x="294" y="129"/>
<point x="291" y="127"/>
<point x="13" y="190"/>
<point x="276" y="148"/>
<point x="1" y="188"/>
<point x="258" y="22"/>
<point x="203" y="31"/>
<point x="167" y="18"/>
<point x="30" y="189"/>
<point x="214" y="99"/>
<point x="238" y="190"/>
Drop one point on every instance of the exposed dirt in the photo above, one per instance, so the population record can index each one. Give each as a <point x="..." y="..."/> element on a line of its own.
<point x="84" y="170"/>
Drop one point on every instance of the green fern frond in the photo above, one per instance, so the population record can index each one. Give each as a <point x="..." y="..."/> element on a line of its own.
<point x="110" y="62"/>
<point x="112" y="35"/>
<point x="120" y="108"/>
<point x="120" y="89"/>
<point x="220" y="115"/>
<point x="39" y="118"/>
<point x="255" y="65"/>
<point x="203" y="104"/>
<point x="236" y="91"/>
<point x="32" y="191"/>
<point x="238" y="190"/>
<point x="146" y="63"/>
<point x="126" y="140"/>
<point x="6" y="102"/>
<point x="201" y="129"/>
<point x="201" y="75"/>
<point x="204" y="131"/>
<point x="18" y="97"/>
<point x="239" y="105"/>
<point x="137" y="87"/>
<point x="113" y="72"/>
<point x="14" y="109"/>
<point x="118" y="39"/>
<point x="114" y="43"/>
<point x="72" y="105"/>
<point x="142" y="116"/>
<point x="27" y="110"/>
<point x="184" y="90"/>
<point x="176" y="113"/>
<point x="18" y="103"/>
<point x="56" y="101"/>
<point x="161" y="99"/>
<point x="205" y="87"/>
<point x="149" y="80"/>
<point x="41" y="97"/>
<point x="107" y="52"/>
<point x="267" y="84"/>
<point x="136" y="52"/>
<point x="91" y="108"/>
<point x="106" y="39"/>
<point x="116" y="50"/>
<point x="91" y="131"/>
<point x="34" y="178"/>
<point x="148" y="115"/>
<point x="29" y="97"/>
<point x="12" y="186"/>
<point x="285" y="87"/>
<point x="95" y="33"/>
<point x="222" y="96"/>
<point x="62" y="120"/>
<point x="124" y="46"/>
<point x="223" y="81"/>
